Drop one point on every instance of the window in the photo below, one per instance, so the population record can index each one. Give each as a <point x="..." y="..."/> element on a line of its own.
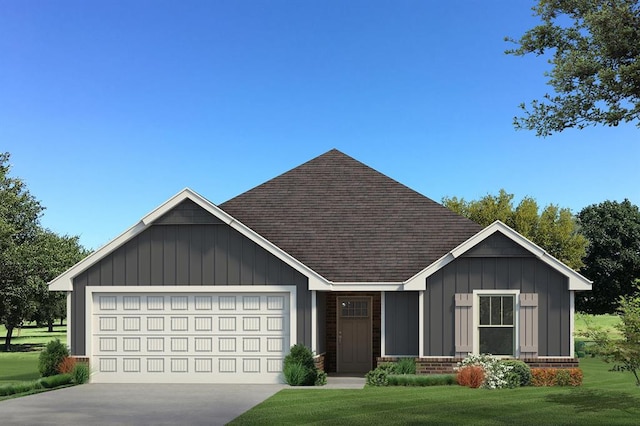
<point x="354" y="309"/>
<point x="496" y="329"/>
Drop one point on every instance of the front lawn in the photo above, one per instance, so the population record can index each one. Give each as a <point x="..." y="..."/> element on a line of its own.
<point x="605" y="398"/>
<point x="21" y="364"/>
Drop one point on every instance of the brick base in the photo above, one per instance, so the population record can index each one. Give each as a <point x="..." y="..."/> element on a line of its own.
<point x="319" y="361"/>
<point x="447" y="365"/>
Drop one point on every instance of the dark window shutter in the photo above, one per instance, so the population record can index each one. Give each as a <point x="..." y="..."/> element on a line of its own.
<point x="464" y="324"/>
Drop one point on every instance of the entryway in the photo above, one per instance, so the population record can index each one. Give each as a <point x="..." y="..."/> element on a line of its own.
<point x="354" y="334"/>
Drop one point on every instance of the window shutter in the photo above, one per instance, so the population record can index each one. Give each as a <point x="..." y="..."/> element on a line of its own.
<point x="464" y="324"/>
<point x="528" y="325"/>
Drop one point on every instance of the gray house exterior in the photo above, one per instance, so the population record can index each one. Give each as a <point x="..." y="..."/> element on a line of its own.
<point x="331" y="254"/>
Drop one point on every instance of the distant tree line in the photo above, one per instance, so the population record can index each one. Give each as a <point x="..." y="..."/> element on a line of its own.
<point x="30" y="256"/>
<point x="602" y="241"/>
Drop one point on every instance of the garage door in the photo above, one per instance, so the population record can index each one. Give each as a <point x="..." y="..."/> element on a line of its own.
<point x="189" y="337"/>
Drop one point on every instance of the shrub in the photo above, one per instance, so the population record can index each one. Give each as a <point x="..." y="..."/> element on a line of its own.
<point x="580" y="349"/>
<point x="55" y="381"/>
<point x="405" y="366"/>
<point x="299" y="367"/>
<point x="520" y="373"/>
<point x="379" y="376"/>
<point x="67" y="365"/>
<point x="543" y="376"/>
<point x="562" y="378"/>
<point x="80" y="373"/>
<point x="575" y="377"/>
<point x="471" y="376"/>
<point x="421" y="380"/>
<point x="321" y="378"/>
<point x="296" y="374"/>
<point x="495" y="372"/>
<point x="556" y="377"/>
<point x="51" y="357"/>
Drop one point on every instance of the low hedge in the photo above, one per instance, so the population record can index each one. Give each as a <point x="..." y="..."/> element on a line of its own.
<point x="49" y="382"/>
<point x="421" y="380"/>
<point x="556" y="377"/>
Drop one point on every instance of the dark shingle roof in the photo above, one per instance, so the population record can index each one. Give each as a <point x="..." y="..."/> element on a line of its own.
<point x="349" y="222"/>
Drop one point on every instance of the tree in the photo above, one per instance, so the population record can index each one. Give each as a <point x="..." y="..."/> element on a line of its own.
<point x="613" y="255"/>
<point x="554" y="229"/>
<point x="595" y="67"/>
<point x="19" y="223"/>
<point x="624" y="353"/>
<point x="51" y="255"/>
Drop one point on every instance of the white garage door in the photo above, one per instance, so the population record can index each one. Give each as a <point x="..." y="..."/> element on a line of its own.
<point x="189" y="337"/>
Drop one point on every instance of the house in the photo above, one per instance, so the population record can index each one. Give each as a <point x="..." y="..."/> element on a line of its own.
<point x="331" y="254"/>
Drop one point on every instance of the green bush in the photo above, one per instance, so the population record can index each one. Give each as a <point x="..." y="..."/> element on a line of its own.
<point x="51" y="357"/>
<point x="55" y="381"/>
<point x="519" y="375"/>
<point x="405" y="366"/>
<point x="321" y="378"/>
<point x="299" y="367"/>
<point x="421" y="380"/>
<point x="49" y="382"/>
<point x="80" y="373"/>
<point x="379" y="376"/>
<point x="296" y="374"/>
<point x="563" y="377"/>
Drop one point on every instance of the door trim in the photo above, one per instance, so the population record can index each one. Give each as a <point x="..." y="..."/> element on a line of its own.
<point x="370" y="343"/>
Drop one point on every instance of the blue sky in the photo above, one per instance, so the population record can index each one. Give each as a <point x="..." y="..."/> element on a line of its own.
<point x="109" y="108"/>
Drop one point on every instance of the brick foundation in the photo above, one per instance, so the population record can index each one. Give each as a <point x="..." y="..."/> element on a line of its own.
<point x="446" y="365"/>
<point x="319" y="361"/>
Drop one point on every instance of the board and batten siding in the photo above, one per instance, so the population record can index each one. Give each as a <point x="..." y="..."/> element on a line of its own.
<point x="401" y="323"/>
<point x="483" y="268"/>
<point x="188" y="246"/>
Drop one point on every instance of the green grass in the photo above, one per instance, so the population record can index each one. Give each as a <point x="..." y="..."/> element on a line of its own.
<point x="21" y="364"/>
<point x="605" y="322"/>
<point x="605" y="398"/>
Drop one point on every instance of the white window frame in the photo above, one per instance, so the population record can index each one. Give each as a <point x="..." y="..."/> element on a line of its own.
<point x="516" y="319"/>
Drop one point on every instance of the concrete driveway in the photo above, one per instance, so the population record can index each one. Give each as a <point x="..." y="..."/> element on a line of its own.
<point x="139" y="404"/>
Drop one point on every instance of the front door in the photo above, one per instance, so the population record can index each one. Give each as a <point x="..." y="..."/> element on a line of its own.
<point x="354" y="334"/>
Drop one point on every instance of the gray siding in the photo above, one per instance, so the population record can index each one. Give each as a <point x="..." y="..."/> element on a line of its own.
<point x="527" y="274"/>
<point x="401" y="323"/>
<point x="497" y="245"/>
<point x="189" y="255"/>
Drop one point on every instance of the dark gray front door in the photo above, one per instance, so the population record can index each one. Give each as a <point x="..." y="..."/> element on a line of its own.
<point x="354" y="334"/>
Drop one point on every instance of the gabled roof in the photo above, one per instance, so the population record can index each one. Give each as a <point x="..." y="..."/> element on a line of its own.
<point x="349" y="222"/>
<point x="576" y="280"/>
<point x="64" y="282"/>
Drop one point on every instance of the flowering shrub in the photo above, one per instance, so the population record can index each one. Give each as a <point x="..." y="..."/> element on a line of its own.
<point x="495" y="372"/>
<point x="471" y="376"/>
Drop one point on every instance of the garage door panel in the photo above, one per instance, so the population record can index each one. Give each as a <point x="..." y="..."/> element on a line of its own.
<point x="190" y="338"/>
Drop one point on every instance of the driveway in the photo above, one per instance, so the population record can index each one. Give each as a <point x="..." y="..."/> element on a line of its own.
<point x="135" y="404"/>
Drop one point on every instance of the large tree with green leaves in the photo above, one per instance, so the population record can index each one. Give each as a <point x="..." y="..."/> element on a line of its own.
<point x="19" y="226"/>
<point x="554" y="228"/>
<point x="613" y="255"/>
<point x="51" y="255"/>
<point x="593" y="48"/>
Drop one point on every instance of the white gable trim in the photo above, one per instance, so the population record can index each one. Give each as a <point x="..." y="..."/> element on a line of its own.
<point x="576" y="280"/>
<point x="64" y="282"/>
